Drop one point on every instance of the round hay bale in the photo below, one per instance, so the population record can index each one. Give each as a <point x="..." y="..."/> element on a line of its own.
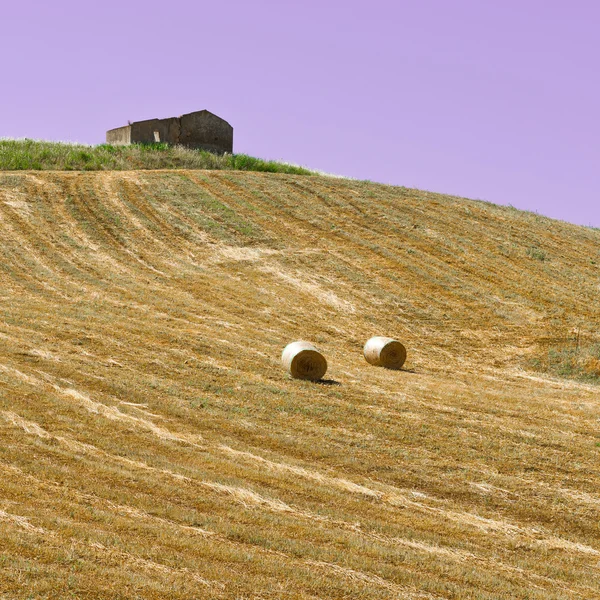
<point x="304" y="361"/>
<point x="384" y="352"/>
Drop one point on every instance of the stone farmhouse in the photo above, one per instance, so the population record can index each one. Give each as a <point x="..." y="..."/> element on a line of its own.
<point x="201" y="129"/>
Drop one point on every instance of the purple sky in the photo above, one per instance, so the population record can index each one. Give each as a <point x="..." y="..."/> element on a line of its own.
<point x="497" y="100"/>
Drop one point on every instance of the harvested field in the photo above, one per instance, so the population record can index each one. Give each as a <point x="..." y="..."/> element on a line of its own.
<point x="152" y="445"/>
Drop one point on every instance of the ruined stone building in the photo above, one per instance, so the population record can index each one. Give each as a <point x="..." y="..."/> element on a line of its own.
<point x="200" y="129"/>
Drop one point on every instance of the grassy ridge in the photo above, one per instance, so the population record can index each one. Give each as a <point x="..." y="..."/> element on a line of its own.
<point x="22" y="155"/>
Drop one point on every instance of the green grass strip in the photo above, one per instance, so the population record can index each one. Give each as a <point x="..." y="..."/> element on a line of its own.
<point x="19" y="155"/>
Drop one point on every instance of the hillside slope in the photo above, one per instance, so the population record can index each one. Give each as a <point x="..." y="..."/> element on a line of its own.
<point x="151" y="445"/>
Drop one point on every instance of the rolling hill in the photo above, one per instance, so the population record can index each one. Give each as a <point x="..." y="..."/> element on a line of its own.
<point x="151" y="445"/>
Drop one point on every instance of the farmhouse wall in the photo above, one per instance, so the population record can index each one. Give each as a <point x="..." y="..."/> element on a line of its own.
<point x="119" y="136"/>
<point x="155" y="130"/>
<point x="205" y="130"/>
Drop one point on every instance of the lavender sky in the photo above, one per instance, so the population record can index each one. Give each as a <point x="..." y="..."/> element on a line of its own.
<point x="497" y="100"/>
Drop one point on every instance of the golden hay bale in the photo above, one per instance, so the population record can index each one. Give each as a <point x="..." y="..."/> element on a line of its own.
<point x="384" y="352"/>
<point x="304" y="361"/>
